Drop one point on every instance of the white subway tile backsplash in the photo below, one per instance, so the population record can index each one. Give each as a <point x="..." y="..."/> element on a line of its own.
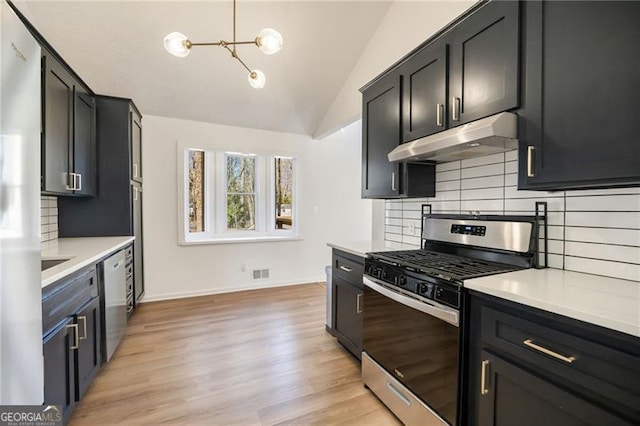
<point x="615" y="253"/>
<point x="48" y="220"/>
<point x="628" y="237"/>
<point x="482" y="182"/>
<point x="490" y="170"/>
<point x="448" y="175"/>
<point x="628" y="203"/>
<point x="595" y="231"/>
<point x="443" y="167"/>
<point x="483" y="161"/>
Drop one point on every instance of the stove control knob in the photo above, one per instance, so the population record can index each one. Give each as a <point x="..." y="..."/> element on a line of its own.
<point x="426" y="290"/>
<point x="378" y="273"/>
<point x="402" y="280"/>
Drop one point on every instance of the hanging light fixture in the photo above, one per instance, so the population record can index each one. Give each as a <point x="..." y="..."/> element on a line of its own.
<point x="268" y="40"/>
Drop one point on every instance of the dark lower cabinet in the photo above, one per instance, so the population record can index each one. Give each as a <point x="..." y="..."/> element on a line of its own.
<point x="513" y="396"/>
<point x="88" y="357"/>
<point x="529" y="367"/>
<point x="138" y="256"/>
<point x="71" y="338"/>
<point x="59" y="367"/>
<point x="578" y="127"/>
<point x="347" y="272"/>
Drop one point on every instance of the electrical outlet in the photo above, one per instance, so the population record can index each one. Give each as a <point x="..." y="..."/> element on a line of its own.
<point x="244" y="267"/>
<point x="315" y="209"/>
<point x="412" y="228"/>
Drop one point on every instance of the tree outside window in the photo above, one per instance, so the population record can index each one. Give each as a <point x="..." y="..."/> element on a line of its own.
<point x="241" y="192"/>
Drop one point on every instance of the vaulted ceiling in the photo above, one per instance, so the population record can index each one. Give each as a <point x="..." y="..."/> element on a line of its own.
<point x="116" y="47"/>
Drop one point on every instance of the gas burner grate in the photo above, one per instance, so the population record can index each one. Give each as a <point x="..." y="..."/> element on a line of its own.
<point x="447" y="265"/>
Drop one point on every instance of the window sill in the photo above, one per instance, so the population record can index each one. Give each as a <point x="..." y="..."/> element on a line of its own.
<point x="240" y="240"/>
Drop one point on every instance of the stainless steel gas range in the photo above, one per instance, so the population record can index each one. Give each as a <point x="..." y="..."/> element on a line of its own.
<point x="412" y="309"/>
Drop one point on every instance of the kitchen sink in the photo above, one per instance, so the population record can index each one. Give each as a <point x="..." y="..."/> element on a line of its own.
<point x="50" y="263"/>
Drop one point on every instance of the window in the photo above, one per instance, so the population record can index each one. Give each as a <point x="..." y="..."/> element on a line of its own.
<point x="236" y="197"/>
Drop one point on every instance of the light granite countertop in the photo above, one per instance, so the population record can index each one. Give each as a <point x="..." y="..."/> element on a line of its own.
<point x="81" y="252"/>
<point x="608" y="302"/>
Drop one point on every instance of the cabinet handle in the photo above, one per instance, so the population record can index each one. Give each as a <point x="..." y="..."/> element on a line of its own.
<point x="346" y="269"/>
<point x="455" y="108"/>
<point x="567" y="359"/>
<point x="359" y="303"/>
<point x="84" y="327"/>
<point x="483" y="378"/>
<point x="439" y="113"/>
<point x="79" y="186"/>
<point x="135" y="194"/>
<point x="76" y="338"/>
<point x="530" y="150"/>
<point x="393" y="181"/>
<point x="135" y="170"/>
<point x="71" y="181"/>
<point x="397" y="393"/>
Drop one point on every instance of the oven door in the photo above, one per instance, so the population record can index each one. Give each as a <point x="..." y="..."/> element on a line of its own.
<point x="416" y="343"/>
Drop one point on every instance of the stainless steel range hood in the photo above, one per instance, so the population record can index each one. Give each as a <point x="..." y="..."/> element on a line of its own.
<point x="489" y="135"/>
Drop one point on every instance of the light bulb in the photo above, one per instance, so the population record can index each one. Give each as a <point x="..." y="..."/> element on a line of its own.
<point x="269" y="41"/>
<point x="257" y="79"/>
<point x="177" y="44"/>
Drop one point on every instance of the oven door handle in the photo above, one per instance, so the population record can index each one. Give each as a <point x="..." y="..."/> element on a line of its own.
<point x="448" y="315"/>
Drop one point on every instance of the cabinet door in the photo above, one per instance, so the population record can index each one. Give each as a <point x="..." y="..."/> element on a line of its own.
<point x="88" y="357"/>
<point x="347" y="319"/>
<point x="582" y="92"/>
<point x="511" y="395"/>
<point x="380" y="135"/>
<point x="136" y="146"/>
<point x="484" y="70"/>
<point x="84" y="142"/>
<point x="424" y="93"/>
<point x="59" y="372"/>
<point x="58" y="131"/>
<point x="138" y="269"/>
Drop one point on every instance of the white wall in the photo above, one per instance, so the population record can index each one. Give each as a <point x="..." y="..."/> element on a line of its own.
<point x="329" y="180"/>
<point x="404" y="27"/>
<point x="595" y="231"/>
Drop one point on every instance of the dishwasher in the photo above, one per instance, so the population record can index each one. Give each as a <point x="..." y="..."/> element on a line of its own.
<point x="114" y="310"/>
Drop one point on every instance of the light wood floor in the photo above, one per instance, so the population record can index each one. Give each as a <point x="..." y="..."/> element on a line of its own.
<point x="252" y="358"/>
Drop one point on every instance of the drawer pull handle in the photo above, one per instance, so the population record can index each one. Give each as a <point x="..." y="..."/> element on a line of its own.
<point x="346" y="269"/>
<point x="483" y="378"/>
<point x="76" y="338"/>
<point x="399" y="394"/>
<point x="359" y="303"/>
<point x="84" y="326"/>
<point x="567" y="359"/>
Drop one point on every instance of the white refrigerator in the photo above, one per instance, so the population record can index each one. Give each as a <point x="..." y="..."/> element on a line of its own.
<point x="21" y="363"/>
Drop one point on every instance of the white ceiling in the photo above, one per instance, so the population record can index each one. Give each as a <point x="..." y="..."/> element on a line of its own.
<point x="116" y="47"/>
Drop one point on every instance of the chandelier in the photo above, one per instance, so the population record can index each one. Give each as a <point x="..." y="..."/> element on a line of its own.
<point x="268" y="40"/>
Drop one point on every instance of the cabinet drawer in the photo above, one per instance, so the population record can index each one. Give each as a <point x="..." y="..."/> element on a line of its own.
<point x="583" y="364"/>
<point x="348" y="268"/>
<point x="63" y="298"/>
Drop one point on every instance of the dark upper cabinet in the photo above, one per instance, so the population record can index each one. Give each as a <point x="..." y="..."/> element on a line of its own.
<point x="68" y="137"/>
<point x="424" y="93"/>
<point x="484" y="63"/>
<point x="529" y="367"/>
<point x="578" y="128"/>
<point x="136" y="145"/>
<point x="57" y="118"/>
<point x="117" y="209"/>
<point x="381" y="106"/>
<point x="380" y="135"/>
<point x="84" y="142"/>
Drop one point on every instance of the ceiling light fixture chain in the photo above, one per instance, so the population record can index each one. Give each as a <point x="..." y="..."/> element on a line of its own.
<point x="268" y="40"/>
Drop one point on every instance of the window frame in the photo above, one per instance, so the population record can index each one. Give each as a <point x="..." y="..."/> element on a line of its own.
<point x="215" y="185"/>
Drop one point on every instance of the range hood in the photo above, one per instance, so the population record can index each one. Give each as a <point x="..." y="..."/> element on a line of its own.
<point x="490" y="135"/>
